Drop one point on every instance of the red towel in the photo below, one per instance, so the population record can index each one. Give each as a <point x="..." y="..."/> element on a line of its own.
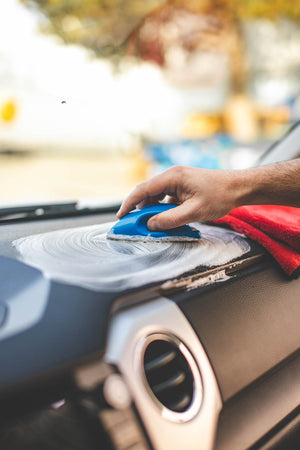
<point x="277" y="228"/>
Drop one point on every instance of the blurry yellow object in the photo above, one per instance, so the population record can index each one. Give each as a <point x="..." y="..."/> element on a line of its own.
<point x="201" y="125"/>
<point x="274" y="120"/>
<point x="241" y="119"/>
<point x="139" y="167"/>
<point x="8" y="111"/>
<point x="279" y="114"/>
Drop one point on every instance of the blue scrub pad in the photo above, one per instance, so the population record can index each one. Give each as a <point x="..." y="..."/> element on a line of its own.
<point x="133" y="226"/>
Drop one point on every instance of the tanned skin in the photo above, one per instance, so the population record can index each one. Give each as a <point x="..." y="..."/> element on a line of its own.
<point x="205" y="195"/>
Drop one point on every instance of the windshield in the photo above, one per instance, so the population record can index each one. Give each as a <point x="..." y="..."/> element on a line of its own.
<point x="97" y="96"/>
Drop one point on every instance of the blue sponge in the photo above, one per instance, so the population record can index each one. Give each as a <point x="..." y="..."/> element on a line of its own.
<point x="133" y="226"/>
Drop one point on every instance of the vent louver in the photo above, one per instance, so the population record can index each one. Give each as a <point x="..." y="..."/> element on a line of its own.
<point x="169" y="375"/>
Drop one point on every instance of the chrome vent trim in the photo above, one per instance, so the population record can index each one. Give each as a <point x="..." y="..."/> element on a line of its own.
<point x="172" y="376"/>
<point x="130" y="331"/>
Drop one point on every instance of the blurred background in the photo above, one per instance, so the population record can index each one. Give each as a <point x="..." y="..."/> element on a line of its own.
<point x="98" y="95"/>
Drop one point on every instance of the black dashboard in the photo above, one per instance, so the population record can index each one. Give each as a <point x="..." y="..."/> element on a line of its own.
<point x="227" y="352"/>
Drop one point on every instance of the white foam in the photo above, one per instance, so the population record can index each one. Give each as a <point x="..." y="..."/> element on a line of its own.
<point x="85" y="257"/>
<point x="149" y="238"/>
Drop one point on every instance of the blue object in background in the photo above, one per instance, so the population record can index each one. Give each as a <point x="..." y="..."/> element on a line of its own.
<point x="205" y="153"/>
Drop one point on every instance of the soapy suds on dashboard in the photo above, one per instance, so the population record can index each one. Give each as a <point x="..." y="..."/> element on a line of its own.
<point x="84" y="257"/>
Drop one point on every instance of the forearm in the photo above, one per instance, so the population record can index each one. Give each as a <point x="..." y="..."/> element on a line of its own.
<point x="276" y="184"/>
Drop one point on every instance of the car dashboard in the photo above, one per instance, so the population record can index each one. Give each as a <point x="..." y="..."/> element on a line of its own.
<point x="209" y="360"/>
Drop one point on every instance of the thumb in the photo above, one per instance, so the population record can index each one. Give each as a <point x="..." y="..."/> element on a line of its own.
<point x="172" y="218"/>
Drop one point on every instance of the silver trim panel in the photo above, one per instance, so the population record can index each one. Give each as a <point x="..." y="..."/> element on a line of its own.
<point x="126" y="338"/>
<point x="194" y="408"/>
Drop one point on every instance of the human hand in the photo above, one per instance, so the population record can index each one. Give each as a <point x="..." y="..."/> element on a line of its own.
<point x="202" y="195"/>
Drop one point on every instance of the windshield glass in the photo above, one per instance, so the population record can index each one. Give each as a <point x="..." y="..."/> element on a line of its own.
<point x="97" y="96"/>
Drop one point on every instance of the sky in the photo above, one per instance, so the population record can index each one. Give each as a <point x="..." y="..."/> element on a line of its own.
<point x="99" y="110"/>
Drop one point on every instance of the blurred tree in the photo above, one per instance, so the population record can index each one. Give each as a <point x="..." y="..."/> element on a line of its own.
<point x="100" y="25"/>
<point x="146" y="29"/>
<point x="106" y="25"/>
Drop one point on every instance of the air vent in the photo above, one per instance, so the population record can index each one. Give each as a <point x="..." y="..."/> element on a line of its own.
<point x="169" y="374"/>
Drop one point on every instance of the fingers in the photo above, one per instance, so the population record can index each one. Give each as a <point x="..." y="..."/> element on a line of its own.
<point x="171" y="199"/>
<point x="139" y="196"/>
<point x="175" y="217"/>
<point x="151" y="201"/>
<point x="156" y="188"/>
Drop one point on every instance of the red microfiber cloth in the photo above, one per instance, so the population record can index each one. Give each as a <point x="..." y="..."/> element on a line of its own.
<point x="277" y="228"/>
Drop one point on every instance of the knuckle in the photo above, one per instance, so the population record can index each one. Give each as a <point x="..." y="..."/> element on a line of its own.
<point x="140" y="189"/>
<point x="175" y="169"/>
<point x="140" y="186"/>
<point x="143" y="190"/>
<point x="175" y="173"/>
<point x="180" y="171"/>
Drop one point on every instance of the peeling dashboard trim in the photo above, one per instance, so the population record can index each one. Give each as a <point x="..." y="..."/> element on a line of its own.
<point x="188" y="283"/>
